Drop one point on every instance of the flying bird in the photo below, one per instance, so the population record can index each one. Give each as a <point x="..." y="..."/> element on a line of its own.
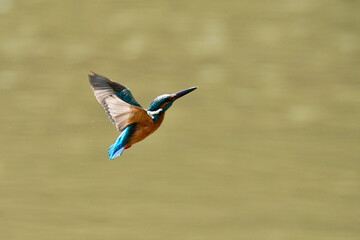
<point x="133" y="121"/>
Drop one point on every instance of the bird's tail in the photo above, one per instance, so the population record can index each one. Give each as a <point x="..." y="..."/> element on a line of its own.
<point x="115" y="150"/>
<point x="118" y="147"/>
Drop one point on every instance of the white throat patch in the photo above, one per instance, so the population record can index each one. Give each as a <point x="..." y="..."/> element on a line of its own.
<point x="152" y="113"/>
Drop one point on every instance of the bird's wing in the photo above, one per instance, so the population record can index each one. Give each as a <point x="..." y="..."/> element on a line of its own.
<point x="118" y="102"/>
<point x="99" y="82"/>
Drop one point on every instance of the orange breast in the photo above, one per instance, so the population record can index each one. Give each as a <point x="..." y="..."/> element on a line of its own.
<point x="144" y="129"/>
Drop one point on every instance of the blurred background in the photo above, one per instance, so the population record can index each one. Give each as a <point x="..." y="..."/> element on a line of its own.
<point x="266" y="148"/>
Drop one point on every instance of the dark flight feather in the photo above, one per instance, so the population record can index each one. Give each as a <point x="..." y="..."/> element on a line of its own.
<point x="117" y="100"/>
<point x="99" y="82"/>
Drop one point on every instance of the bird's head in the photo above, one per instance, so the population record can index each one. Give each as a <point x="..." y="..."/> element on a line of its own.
<point x="164" y="102"/>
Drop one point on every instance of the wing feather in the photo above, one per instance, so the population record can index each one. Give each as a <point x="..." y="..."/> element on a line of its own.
<point x="121" y="113"/>
<point x="105" y="85"/>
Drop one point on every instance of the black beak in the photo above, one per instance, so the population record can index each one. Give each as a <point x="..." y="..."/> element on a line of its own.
<point x="182" y="93"/>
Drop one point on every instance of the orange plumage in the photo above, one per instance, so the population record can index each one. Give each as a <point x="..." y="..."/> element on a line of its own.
<point x="134" y="122"/>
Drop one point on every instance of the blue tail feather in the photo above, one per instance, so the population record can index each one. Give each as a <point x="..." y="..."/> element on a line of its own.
<point x="118" y="147"/>
<point x="115" y="151"/>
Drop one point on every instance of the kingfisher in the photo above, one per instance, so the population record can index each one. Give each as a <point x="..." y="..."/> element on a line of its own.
<point x="133" y="121"/>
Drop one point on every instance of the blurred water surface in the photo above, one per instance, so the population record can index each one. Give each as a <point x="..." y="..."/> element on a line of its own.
<point x="266" y="148"/>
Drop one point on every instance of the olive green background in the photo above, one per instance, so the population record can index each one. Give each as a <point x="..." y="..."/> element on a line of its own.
<point x="266" y="148"/>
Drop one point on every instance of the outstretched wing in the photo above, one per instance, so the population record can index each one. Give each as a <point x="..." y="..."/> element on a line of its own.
<point x="99" y="82"/>
<point x="118" y="102"/>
